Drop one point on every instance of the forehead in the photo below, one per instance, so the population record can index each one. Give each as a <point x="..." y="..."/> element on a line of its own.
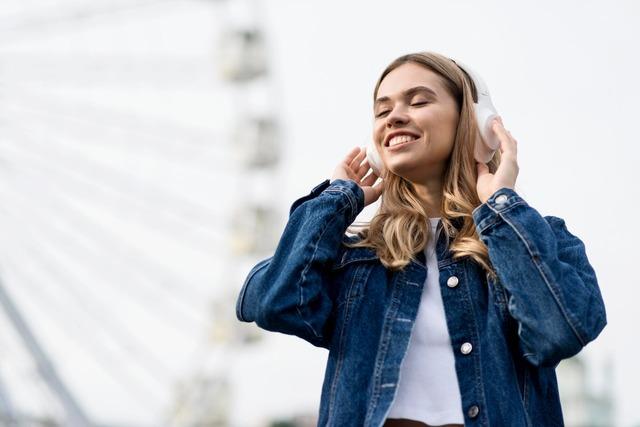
<point x="409" y="75"/>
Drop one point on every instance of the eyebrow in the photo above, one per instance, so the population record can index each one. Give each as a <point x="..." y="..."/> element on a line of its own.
<point x="408" y="92"/>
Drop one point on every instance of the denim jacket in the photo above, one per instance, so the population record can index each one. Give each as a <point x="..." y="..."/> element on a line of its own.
<point x="507" y="335"/>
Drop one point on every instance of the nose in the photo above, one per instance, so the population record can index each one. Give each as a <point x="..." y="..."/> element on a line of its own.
<point x="396" y="117"/>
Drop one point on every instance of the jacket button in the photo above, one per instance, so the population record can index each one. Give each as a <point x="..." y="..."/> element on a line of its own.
<point x="501" y="199"/>
<point x="473" y="411"/>
<point x="466" y="348"/>
<point x="452" y="282"/>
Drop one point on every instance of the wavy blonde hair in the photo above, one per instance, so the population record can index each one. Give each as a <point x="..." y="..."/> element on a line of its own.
<point x="400" y="227"/>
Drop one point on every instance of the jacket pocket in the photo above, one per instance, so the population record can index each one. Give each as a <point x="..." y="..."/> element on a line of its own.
<point x="499" y="296"/>
<point x="352" y="273"/>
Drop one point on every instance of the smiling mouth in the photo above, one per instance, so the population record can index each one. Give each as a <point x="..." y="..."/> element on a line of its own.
<point x="402" y="144"/>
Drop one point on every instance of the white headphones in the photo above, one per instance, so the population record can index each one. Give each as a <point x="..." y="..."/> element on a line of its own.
<point x="485" y="113"/>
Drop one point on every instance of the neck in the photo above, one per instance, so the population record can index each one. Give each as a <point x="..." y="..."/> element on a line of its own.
<point x="430" y="194"/>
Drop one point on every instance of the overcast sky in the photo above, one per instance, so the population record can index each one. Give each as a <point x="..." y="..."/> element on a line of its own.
<point x="562" y="76"/>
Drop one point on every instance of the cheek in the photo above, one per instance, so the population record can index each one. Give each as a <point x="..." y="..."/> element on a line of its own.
<point x="430" y="117"/>
<point x="439" y="123"/>
<point x="378" y="133"/>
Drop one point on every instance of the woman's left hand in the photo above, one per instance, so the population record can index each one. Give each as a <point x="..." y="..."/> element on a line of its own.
<point x="488" y="183"/>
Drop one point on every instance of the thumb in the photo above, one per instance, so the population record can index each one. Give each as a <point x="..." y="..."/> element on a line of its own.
<point x="380" y="187"/>
<point x="373" y="193"/>
<point x="483" y="169"/>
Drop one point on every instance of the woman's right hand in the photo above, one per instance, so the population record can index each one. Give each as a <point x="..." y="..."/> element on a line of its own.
<point x="353" y="168"/>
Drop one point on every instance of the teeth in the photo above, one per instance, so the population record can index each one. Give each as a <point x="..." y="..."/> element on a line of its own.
<point x="401" y="139"/>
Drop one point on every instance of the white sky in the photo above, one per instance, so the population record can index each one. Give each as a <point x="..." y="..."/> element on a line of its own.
<point x="561" y="74"/>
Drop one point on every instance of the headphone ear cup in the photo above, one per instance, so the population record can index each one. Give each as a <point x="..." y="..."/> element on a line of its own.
<point x="374" y="160"/>
<point x="487" y="143"/>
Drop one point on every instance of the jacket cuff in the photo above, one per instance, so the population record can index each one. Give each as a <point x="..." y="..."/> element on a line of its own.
<point x="489" y="212"/>
<point x="314" y="193"/>
<point x="355" y="194"/>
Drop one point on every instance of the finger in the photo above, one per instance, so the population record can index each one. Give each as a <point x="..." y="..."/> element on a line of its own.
<point x="352" y="154"/>
<point x="515" y="145"/>
<point x="379" y="187"/>
<point x="483" y="169"/>
<point x="355" y="162"/>
<point x="360" y="168"/>
<point x="507" y="132"/>
<point x="363" y="169"/>
<point x="506" y="142"/>
<point x="515" y="142"/>
<point x="370" y="180"/>
<point x="375" y="192"/>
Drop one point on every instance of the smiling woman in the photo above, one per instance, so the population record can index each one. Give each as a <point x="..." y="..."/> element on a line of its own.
<point x="429" y="98"/>
<point x="416" y="127"/>
<point x="456" y="302"/>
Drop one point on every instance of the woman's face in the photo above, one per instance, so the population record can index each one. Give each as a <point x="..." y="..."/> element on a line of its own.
<point x="413" y="102"/>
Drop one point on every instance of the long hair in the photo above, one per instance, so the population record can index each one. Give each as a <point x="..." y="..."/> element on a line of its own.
<point x="400" y="227"/>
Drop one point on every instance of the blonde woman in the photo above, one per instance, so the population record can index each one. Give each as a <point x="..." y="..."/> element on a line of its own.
<point x="456" y="302"/>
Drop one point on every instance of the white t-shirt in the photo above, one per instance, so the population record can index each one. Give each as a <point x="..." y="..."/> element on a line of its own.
<point x="428" y="385"/>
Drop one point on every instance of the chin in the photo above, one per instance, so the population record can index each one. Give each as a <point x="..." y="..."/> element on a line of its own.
<point x="404" y="171"/>
<point x="410" y="170"/>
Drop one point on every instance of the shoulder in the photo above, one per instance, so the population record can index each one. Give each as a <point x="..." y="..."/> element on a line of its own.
<point x="554" y="221"/>
<point x="558" y="225"/>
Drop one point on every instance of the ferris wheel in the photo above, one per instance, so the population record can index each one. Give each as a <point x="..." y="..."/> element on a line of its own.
<point x="139" y="159"/>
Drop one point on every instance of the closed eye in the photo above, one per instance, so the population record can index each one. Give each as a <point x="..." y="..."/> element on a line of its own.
<point x="415" y="104"/>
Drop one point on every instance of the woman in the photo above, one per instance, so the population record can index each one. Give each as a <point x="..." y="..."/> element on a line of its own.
<point x="458" y="300"/>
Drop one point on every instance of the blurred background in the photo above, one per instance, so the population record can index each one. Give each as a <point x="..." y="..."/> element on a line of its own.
<point x="150" y="151"/>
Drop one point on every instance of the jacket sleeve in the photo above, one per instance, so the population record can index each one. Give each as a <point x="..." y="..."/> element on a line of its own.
<point x="290" y="292"/>
<point x="553" y="291"/>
